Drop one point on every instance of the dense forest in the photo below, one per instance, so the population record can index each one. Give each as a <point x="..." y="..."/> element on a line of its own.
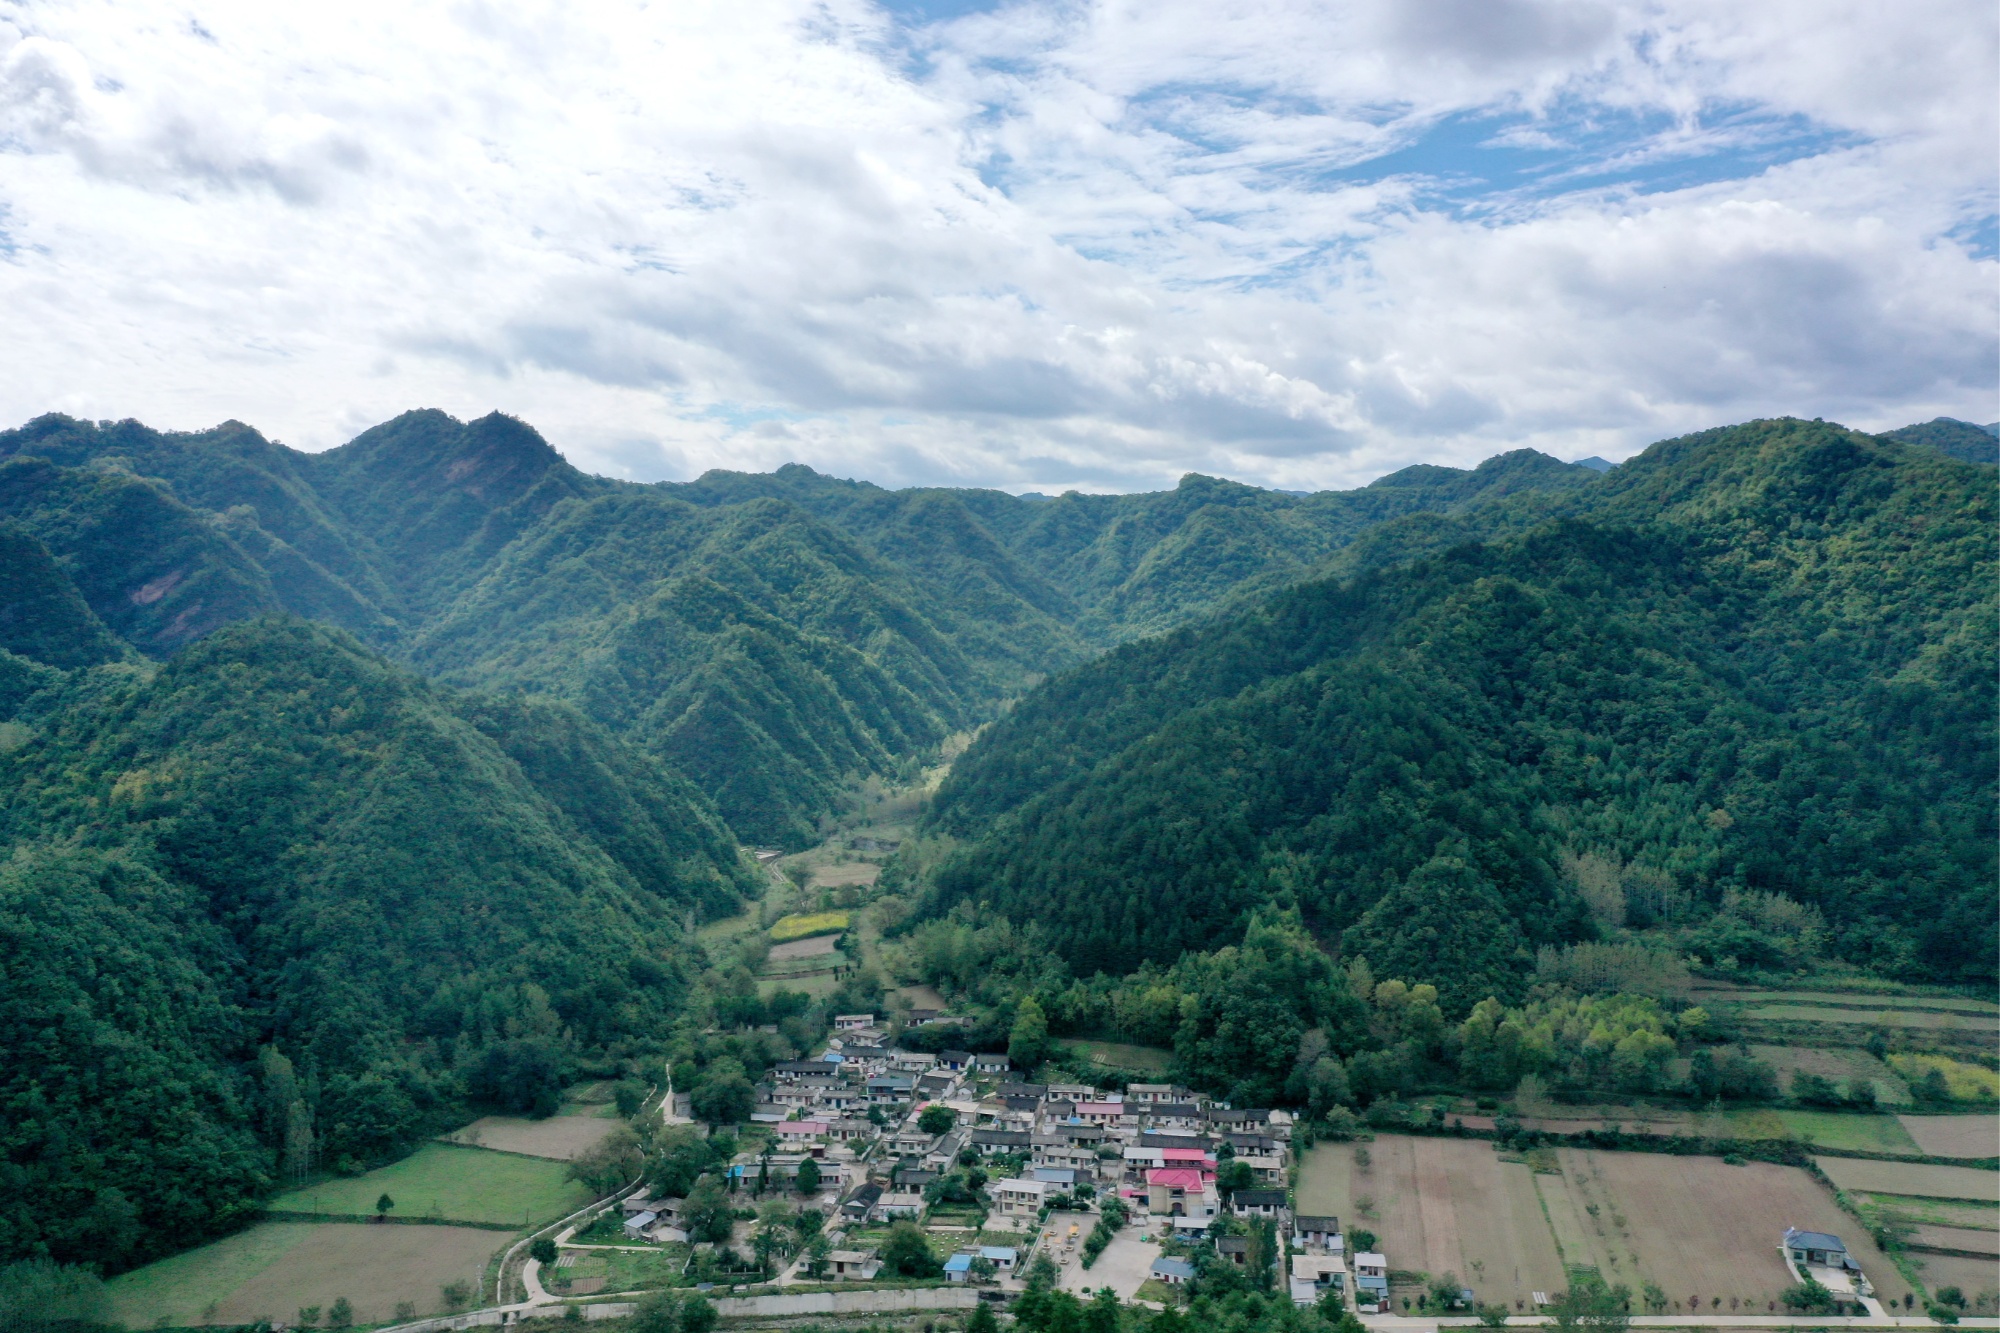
<point x="770" y="637"/>
<point x="345" y="792"/>
<point x="1750" y="666"/>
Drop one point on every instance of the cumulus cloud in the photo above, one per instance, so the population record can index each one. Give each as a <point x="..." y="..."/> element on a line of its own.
<point x="1054" y="243"/>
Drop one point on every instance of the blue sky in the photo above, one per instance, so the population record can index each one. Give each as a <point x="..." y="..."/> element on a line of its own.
<point x="1036" y="246"/>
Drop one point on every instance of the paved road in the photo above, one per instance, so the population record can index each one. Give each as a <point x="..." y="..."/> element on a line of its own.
<point x="1126" y="1262"/>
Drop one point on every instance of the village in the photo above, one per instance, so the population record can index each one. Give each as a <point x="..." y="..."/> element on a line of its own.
<point x="1127" y="1190"/>
<point x="861" y="1121"/>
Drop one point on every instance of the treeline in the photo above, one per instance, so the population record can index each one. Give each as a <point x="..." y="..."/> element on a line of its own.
<point x="1275" y="1021"/>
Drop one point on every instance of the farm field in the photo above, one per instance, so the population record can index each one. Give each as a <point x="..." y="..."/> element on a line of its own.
<point x="922" y="997"/>
<point x="1975" y="1277"/>
<point x="1669" y="1219"/>
<point x="1919" y="1179"/>
<point x="1935" y="1212"/>
<point x="1957" y="1238"/>
<point x="1441" y="1205"/>
<point x="560" y="1137"/>
<point x="452" y="1184"/>
<point x="1955" y="1135"/>
<point x="1956" y="1003"/>
<point x="841" y="874"/>
<point x="1123" y="1055"/>
<point x="1455" y="1205"/>
<point x="816" y="984"/>
<point x="276" y="1267"/>
<point x="800" y="926"/>
<point x="1967" y="1082"/>
<point x="817" y="946"/>
<point x="622" y="1270"/>
<point x="1828" y="1129"/>
<point x="1877" y="1016"/>
<point x="1842" y="1064"/>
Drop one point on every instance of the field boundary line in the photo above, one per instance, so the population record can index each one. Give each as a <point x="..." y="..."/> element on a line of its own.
<point x="373" y="1219"/>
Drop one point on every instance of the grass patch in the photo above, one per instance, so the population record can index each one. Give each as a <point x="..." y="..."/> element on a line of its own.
<point x="1152" y="1289"/>
<point x="1124" y="1056"/>
<point x="1827" y="1129"/>
<point x="449" y="1183"/>
<point x="272" y="1269"/>
<point x="1931" y="1212"/>
<point x="1968" y="1083"/>
<point x="1907" y="1018"/>
<point x="182" y="1286"/>
<point x="624" y="1270"/>
<point x="1958" y="1003"/>
<point x="799" y="926"/>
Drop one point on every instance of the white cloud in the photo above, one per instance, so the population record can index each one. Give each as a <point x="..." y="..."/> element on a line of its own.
<point x="1054" y="244"/>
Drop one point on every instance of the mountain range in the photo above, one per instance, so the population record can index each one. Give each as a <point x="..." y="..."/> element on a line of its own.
<point x="343" y="791"/>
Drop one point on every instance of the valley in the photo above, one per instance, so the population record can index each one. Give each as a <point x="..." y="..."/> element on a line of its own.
<point x="1567" y="879"/>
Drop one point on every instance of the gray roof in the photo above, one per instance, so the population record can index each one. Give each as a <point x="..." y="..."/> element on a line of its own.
<point x="1167" y="1267"/>
<point x="1813" y="1240"/>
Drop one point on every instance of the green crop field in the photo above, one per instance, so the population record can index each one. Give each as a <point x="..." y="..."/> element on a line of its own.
<point x="817" y="923"/>
<point x="1957" y="1003"/>
<point x="451" y="1184"/>
<point x="1827" y="1129"/>
<point x="1906" y="1018"/>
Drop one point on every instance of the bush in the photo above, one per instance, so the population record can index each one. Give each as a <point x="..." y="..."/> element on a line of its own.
<point x="908" y="1254"/>
<point x="1808" y="1297"/>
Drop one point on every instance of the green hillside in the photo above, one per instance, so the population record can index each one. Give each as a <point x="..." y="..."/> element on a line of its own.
<point x="276" y="839"/>
<point x="1754" y="661"/>
<point x="772" y="638"/>
<point x="1958" y="439"/>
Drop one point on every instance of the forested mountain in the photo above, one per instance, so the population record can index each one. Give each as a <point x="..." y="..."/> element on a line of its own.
<point x="341" y="791"/>
<point x="277" y="841"/>
<point x="1959" y="439"/>
<point x="771" y="637"/>
<point x="1751" y="662"/>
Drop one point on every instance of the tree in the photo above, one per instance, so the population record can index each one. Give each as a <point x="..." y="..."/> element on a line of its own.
<point x="982" y="1320"/>
<point x="629" y="1096"/>
<point x="1808" y="1297"/>
<point x="658" y="1312"/>
<point x="1101" y="1315"/>
<point x="40" y="1294"/>
<point x="455" y="1295"/>
<point x="1028" y="1042"/>
<point x="308" y="1315"/>
<point x="382" y="1207"/>
<point x="1589" y="1306"/>
<point x="936" y="1119"/>
<point x="817" y="1250"/>
<point x="809" y="1177"/>
<point x="728" y="1100"/>
<point x="707" y="1213"/>
<point x="341" y="1315"/>
<point x="612" y="1162"/>
<point x="1234" y="1175"/>
<point x="543" y="1250"/>
<point x="908" y="1254"/>
<point x="698" y="1316"/>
